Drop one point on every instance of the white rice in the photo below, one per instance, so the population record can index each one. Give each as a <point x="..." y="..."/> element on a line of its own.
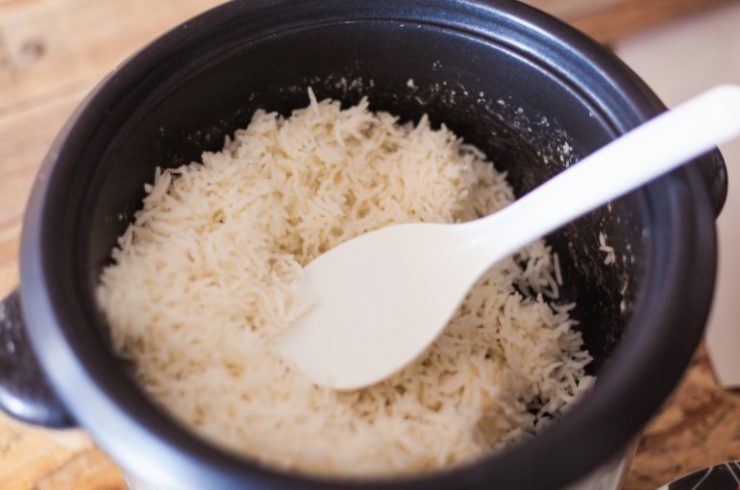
<point x="610" y="257"/>
<point x="211" y="270"/>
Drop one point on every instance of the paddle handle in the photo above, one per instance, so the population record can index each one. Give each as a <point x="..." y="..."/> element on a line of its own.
<point x="641" y="155"/>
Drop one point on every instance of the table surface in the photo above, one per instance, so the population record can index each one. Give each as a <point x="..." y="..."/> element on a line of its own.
<point x="52" y="52"/>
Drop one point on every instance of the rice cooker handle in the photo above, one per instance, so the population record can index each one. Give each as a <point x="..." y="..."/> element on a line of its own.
<point x="712" y="167"/>
<point x="25" y="393"/>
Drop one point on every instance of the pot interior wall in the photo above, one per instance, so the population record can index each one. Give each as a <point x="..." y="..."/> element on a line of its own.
<point x="531" y="123"/>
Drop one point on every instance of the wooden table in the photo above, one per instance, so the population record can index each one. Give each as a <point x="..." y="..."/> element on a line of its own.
<point x="51" y="54"/>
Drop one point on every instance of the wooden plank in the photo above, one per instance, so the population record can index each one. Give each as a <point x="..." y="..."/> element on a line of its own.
<point x="572" y="9"/>
<point x="626" y="17"/>
<point x="51" y="46"/>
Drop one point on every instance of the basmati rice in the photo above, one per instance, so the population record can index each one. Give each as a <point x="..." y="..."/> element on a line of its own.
<point x="211" y="270"/>
<point x="610" y="257"/>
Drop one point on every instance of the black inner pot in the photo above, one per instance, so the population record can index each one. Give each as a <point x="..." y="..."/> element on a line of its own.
<point x="531" y="93"/>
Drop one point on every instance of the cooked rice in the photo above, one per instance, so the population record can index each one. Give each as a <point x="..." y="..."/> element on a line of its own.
<point x="211" y="270"/>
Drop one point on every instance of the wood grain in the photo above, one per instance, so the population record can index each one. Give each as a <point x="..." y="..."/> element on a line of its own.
<point x="52" y="52"/>
<point x="622" y="18"/>
<point x="39" y="459"/>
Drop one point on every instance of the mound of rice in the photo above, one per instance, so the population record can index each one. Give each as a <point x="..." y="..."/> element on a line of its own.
<point x="211" y="270"/>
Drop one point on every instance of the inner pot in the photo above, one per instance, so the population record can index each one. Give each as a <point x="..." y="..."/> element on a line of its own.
<point x="533" y="94"/>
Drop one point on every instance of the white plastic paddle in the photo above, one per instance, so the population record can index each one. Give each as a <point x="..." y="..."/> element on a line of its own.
<point x="385" y="296"/>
